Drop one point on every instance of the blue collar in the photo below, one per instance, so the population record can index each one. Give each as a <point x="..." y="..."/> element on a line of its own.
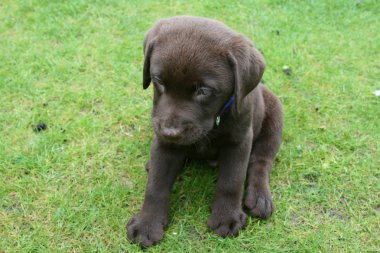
<point x="226" y="106"/>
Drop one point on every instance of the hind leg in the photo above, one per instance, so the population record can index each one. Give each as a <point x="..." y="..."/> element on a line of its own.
<point x="258" y="198"/>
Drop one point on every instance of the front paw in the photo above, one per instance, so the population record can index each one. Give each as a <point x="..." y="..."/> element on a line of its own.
<point x="227" y="223"/>
<point x="259" y="203"/>
<point x="146" y="229"/>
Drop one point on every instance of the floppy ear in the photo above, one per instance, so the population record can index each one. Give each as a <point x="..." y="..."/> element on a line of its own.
<point x="248" y="67"/>
<point x="148" y="49"/>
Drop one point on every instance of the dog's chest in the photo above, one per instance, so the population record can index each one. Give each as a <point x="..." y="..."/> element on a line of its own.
<point x="204" y="149"/>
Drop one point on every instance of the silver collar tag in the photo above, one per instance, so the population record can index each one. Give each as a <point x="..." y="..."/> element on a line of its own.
<point x="217" y="121"/>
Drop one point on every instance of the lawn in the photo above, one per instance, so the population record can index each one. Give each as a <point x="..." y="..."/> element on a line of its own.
<point x="77" y="67"/>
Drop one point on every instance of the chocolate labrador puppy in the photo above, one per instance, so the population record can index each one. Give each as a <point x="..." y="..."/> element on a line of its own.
<point x="208" y="104"/>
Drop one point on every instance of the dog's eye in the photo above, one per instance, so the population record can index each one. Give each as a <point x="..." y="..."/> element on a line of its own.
<point x="202" y="91"/>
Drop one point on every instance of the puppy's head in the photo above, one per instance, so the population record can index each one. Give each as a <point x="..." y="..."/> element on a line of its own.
<point x="196" y="65"/>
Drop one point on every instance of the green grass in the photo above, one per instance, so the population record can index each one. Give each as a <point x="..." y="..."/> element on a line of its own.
<point x="77" y="66"/>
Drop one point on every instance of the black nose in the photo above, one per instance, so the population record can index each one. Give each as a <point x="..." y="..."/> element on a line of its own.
<point x="171" y="132"/>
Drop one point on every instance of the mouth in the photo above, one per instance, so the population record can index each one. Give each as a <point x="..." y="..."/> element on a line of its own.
<point x="182" y="140"/>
